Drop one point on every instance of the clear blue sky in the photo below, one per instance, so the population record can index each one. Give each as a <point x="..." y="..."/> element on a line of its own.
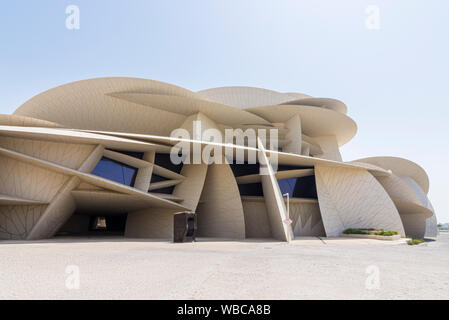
<point x="394" y="80"/>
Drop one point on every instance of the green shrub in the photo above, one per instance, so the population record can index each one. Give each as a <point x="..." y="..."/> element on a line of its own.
<point x="354" y="231"/>
<point x="386" y="233"/>
<point x="414" y="241"/>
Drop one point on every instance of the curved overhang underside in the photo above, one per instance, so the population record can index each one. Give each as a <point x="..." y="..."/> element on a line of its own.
<point x="188" y="106"/>
<point x="100" y="201"/>
<point x="104" y="85"/>
<point x="250" y="97"/>
<point x="295" y="159"/>
<point x="23" y="121"/>
<point x="406" y="207"/>
<point x="327" y="103"/>
<point x="246" y="97"/>
<point x="401" y="167"/>
<point x="315" y="122"/>
<point x="369" y="166"/>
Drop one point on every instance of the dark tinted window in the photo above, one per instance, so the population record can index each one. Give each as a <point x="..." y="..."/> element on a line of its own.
<point x="164" y="161"/>
<point x="251" y="189"/>
<point x="304" y="187"/>
<point x="245" y="169"/>
<point x="115" y="171"/>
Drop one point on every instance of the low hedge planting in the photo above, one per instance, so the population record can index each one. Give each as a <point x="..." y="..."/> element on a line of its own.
<point x="386" y="233"/>
<point x="370" y="231"/>
<point x="414" y="241"/>
<point x="354" y="231"/>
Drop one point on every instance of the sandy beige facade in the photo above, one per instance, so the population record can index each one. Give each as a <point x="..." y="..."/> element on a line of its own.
<point x="100" y="148"/>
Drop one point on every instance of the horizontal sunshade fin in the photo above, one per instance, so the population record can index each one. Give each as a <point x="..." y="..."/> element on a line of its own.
<point x="167" y="196"/>
<point x="292" y="200"/>
<point x="164" y="184"/>
<point x="280" y="175"/>
<point x="163" y="172"/>
<point x="128" y="160"/>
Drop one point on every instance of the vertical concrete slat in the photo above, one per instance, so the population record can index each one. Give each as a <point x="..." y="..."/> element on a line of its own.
<point x="143" y="178"/>
<point x="294" y="135"/>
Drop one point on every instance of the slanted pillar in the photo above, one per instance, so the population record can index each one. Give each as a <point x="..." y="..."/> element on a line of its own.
<point x="274" y="201"/>
<point x="143" y="177"/>
<point x="294" y="135"/>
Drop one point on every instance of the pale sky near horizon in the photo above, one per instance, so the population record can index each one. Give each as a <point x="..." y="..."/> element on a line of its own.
<point x="394" y="80"/>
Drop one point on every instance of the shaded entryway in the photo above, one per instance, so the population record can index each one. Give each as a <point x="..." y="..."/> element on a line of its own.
<point x="97" y="224"/>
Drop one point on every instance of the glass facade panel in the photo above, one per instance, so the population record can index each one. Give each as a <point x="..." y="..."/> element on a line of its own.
<point x="115" y="171"/>
<point x="304" y="187"/>
<point x="287" y="186"/>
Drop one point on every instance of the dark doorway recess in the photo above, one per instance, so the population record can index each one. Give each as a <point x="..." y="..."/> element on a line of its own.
<point x="98" y="224"/>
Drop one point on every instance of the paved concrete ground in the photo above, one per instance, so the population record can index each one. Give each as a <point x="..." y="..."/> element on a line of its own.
<point x="308" y="268"/>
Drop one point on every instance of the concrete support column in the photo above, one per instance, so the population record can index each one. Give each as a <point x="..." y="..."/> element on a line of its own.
<point x="294" y="135"/>
<point x="143" y="177"/>
<point x="305" y="149"/>
<point x="220" y="212"/>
